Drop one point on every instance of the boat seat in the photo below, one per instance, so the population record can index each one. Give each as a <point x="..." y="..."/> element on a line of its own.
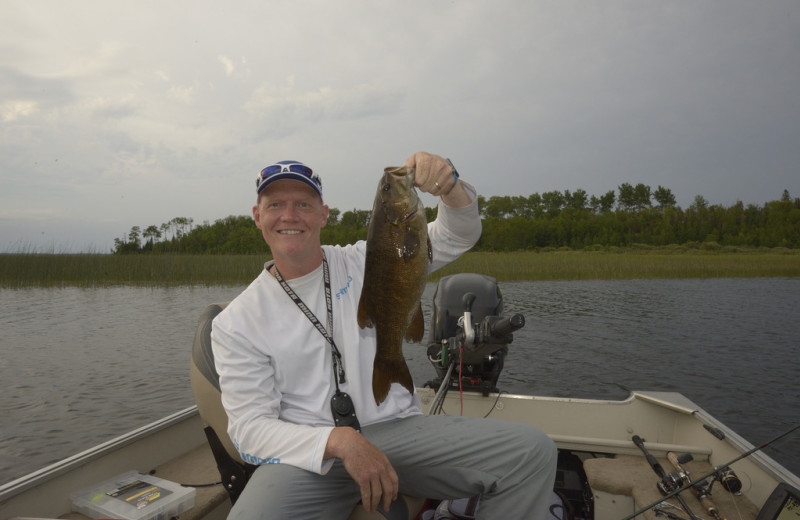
<point x="234" y="472"/>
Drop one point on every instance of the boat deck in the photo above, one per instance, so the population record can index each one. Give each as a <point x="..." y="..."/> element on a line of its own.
<point x="620" y="484"/>
<point x="627" y="483"/>
<point x="621" y="480"/>
<point x="195" y="467"/>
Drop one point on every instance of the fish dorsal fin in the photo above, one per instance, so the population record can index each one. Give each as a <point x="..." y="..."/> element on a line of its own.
<point x="416" y="329"/>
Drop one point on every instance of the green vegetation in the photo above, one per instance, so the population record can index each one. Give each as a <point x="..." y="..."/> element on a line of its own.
<point x="703" y="261"/>
<point x="534" y="223"/>
<point x="550" y="236"/>
<point x="92" y="270"/>
<point x="614" y="263"/>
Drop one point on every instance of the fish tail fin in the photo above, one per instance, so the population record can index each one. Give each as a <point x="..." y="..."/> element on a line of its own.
<point x="387" y="371"/>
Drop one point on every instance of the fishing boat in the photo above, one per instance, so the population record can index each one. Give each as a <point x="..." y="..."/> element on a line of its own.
<point x="653" y="454"/>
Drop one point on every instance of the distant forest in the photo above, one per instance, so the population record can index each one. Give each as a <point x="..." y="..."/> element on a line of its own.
<point x="629" y="216"/>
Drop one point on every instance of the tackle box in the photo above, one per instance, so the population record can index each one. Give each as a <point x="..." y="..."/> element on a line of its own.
<point x="133" y="496"/>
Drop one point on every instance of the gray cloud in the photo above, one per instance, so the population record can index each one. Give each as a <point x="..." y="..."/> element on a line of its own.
<point x="151" y="114"/>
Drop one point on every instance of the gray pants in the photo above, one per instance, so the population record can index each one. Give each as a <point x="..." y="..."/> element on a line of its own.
<point x="511" y="465"/>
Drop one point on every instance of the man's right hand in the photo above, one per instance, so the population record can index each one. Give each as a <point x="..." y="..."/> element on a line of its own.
<point x="368" y="466"/>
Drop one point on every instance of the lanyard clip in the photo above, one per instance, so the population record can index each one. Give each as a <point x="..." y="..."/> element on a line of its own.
<point x="337" y="360"/>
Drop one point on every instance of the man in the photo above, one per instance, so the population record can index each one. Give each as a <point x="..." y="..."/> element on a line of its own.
<point x="278" y="373"/>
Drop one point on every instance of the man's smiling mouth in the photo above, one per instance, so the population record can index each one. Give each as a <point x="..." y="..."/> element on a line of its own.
<point x="290" y="232"/>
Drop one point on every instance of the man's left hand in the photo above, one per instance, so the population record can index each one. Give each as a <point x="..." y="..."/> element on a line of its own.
<point x="434" y="174"/>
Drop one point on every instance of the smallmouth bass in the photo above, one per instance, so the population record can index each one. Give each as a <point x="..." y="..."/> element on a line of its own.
<point x="397" y="259"/>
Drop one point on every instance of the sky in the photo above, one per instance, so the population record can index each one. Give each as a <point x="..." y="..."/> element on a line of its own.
<point x="116" y="114"/>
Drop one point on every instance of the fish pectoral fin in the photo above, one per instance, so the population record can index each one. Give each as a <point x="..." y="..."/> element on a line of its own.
<point x="410" y="245"/>
<point x="416" y="329"/>
<point x="364" y="315"/>
<point x="385" y="372"/>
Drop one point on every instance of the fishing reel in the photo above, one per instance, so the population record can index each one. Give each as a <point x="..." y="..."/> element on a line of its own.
<point x="672" y="482"/>
<point x="470" y="332"/>
<point x="725" y="475"/>
<point x="729" y="480"/>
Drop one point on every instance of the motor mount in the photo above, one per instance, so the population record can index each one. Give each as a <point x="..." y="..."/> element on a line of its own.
<point x="468" y="327"/>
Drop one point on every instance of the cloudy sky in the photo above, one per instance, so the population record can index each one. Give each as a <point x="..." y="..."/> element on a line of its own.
<point x="116" y="114"/>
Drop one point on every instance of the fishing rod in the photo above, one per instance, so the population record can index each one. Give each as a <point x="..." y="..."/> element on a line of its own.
<point x="702" y="489"/>
<point x="667" y="483"/>
<point x="713" y="473"/>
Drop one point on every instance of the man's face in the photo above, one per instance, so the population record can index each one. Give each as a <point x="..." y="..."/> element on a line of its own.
<point x="290" y="215"/>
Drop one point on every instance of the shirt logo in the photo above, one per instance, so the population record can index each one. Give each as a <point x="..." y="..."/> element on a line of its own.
<point x="343" y="291"/>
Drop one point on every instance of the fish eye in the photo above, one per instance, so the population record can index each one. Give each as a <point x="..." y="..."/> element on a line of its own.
<point x="386" y="187"/>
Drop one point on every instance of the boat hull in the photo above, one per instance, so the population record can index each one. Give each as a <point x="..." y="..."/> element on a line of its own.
<point x="667" y="422"/>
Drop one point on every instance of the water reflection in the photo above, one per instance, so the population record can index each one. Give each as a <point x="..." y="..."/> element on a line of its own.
<point x="83" y="365"/>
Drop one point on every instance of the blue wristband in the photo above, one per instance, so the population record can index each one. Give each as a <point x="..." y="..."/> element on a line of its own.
<point x="455" y="173"/>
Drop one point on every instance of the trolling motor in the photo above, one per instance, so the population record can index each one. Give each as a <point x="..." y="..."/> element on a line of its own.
<point x="469" y="332"/>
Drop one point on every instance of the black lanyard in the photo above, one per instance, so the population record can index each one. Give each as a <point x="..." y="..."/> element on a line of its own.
<point x="338" y="367"/>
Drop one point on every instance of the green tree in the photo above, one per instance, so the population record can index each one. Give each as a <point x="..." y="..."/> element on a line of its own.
<point x="627" y="197"/>
<point x="664" y="197"/>
<point x="133" y="236"/>
<point x="603" y="204"/>
<point x="641" y="196"/>
<point x="577" y="200"/>
<point x="553" y="201"/>
<point x="150" y="235"/>
<point x="333" y="216"/>
<point x="499" y="207"/>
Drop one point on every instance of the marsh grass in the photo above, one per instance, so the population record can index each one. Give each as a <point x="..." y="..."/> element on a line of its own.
<point x="107" y="270"/>
<point x="93" y="270"/>
<point x="588" y="265"/>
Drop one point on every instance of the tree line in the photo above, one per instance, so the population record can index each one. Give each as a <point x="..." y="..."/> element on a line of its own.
<point x="623" y="217"/>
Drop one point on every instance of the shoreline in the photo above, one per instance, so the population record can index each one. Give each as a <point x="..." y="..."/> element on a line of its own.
<point x="96" y="270"/>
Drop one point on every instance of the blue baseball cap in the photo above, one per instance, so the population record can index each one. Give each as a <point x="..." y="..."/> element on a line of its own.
<point x="291" y="170"/>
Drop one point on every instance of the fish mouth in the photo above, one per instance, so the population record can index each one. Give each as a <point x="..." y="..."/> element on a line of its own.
<point x="397" y="171"/>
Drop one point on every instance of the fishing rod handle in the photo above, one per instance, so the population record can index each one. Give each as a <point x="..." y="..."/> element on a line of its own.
<point x="677" y="465"/>
<point x="706" y="502"/>
<point x="650" y="459"/>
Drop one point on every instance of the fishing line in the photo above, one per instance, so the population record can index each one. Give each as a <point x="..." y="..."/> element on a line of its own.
<point x="497" y="399"/>
<point x="736" y="505"/>
<point x="714" y="472"/>
<point x="460" y="378"/>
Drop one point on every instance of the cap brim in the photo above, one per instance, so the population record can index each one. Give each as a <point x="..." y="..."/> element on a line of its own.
<point x="288" y="176"/>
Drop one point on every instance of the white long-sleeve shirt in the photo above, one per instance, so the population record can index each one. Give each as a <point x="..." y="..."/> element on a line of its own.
<point x="275" y="368"/>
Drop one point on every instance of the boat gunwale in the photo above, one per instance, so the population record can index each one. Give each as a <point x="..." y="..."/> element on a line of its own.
<point x="673" y="402"/>
<point x="56" y="469"/>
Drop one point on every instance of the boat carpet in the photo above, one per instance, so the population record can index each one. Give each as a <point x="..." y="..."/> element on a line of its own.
<point x="632" y="476"/>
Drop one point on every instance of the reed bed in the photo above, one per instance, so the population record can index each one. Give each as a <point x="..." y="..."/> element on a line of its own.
<point x="588" y="265"/>
<point x="109" y="270"/>
<point x="92" y="270"/>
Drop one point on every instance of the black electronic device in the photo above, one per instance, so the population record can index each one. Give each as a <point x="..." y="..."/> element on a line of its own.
<point x="344" y="411"/>
<point x="782" y="504"/>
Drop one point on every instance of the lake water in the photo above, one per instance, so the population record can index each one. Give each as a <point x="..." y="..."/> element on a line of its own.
<point x="81" y="366"/>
